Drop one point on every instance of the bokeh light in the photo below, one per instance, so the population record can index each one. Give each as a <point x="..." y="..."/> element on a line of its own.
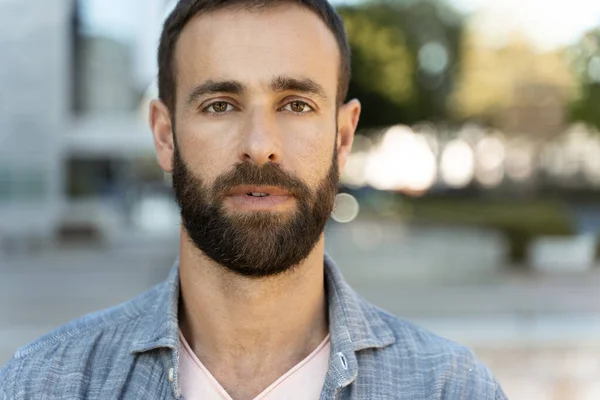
<point x="403" y="161"/>
<point x="457" y="164"/>
<point x="490" y="155"/>
<point x="346" y="208"/>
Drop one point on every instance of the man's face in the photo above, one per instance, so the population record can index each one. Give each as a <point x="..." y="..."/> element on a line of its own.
<point x="257" y="153"/>
<point x="257" y="240"/>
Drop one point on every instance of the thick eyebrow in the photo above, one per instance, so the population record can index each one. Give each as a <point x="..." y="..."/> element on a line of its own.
<point x="305" y="85"/>
<point x="214" y="87"/>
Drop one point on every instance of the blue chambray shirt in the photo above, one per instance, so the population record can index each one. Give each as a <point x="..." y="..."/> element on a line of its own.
<point x="131" y="352"/>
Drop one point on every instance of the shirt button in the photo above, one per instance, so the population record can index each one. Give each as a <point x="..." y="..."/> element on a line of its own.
<point x="343" y="360"/>
<point x="171" y="372"/>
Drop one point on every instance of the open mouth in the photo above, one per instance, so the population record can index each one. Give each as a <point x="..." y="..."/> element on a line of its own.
<point x="258" y="198"/>
<point x="252" y="194"/>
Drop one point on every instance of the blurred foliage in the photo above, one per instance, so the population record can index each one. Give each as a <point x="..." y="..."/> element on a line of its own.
<point x="391" y="41"/>
<point x="382" y="61"/>
<point x="520" y="221"/>
<point x="514" y="88"/>
<point x="587" y="108"/>
<point x="586" y="62"/>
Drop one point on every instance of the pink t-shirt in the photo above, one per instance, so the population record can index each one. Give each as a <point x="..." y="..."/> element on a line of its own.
<point x="302" y="382"/>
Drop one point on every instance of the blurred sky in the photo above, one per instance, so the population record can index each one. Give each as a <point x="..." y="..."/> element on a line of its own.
<point x="548" y="23"/>
<point x="111" y="17"/>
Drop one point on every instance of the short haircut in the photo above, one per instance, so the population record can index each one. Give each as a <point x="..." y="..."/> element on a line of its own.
<point x="185" y="10"/>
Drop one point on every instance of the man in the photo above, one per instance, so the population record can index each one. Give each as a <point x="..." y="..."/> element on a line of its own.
<point x="252" y="124"/>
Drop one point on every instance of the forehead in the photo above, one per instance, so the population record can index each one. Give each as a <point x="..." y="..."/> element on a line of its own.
<point x="255" y="46"/>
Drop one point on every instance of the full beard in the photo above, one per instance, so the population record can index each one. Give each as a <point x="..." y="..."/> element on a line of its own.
<point x="254" y="244"/>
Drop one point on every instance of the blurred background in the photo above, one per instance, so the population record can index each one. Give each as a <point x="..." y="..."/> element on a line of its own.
<point x="470" y="205"/>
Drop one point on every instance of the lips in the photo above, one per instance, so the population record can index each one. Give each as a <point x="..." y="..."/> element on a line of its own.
<point x="257" y="191"/>
<point x="258" y="198"/>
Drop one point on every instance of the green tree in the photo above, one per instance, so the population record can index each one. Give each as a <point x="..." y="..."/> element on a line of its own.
<point x="405" y="56"/>
<point x="586" y="62"/>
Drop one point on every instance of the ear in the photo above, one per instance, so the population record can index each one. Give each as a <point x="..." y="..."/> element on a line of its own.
<point x="348" y="116"/>
<point x="162" y="131"/>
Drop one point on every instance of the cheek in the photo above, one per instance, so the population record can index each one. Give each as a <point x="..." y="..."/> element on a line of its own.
<point x="193" y="150"/>
<point x="311" y="155"/>
<point x="207" y="155"/>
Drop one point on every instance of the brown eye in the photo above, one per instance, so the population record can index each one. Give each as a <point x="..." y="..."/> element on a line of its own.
<point x="219" y="106"/>
<point x="298" y="106"/>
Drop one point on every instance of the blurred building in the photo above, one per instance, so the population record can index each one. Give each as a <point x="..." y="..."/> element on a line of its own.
<point x="104" y="87"/>
<point x="35" y="102"/>
<point x="73" y="145"/>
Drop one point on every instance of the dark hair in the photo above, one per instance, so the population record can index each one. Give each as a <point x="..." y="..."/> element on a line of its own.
<point x="185" y="10"/>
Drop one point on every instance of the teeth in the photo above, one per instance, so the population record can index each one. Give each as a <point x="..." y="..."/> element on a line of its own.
<point x="259" y="194"/>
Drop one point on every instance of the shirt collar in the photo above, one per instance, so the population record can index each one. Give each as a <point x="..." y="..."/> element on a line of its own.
<point x="354" y="324"/>
<point x="159" y="328"/>
<point x="348" y="312"/>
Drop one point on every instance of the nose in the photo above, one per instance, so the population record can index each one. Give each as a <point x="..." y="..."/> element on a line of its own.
<point x="260" y="139"/>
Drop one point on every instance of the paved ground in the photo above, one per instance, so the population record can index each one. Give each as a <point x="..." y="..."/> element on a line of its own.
<point x="502" y="315"/>
<point x="40" y="292"/>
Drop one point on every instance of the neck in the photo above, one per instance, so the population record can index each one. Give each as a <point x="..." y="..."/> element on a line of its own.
<point x="251" y="326"/>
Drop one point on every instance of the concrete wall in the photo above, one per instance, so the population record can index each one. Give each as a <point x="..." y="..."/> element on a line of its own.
<point x="34" y="105"/>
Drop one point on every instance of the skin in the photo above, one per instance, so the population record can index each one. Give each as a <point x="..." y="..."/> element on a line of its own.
<point x="250" y="331"/>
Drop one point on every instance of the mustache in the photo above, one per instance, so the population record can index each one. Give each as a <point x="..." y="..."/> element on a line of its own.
<point x="270" y="174"/>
